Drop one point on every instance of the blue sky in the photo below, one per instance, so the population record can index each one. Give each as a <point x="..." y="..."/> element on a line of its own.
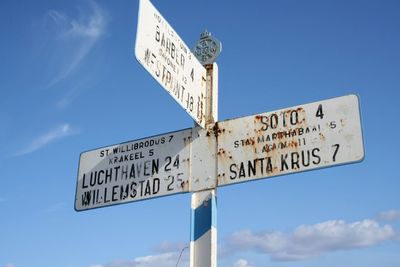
<point x="69" y="83"/>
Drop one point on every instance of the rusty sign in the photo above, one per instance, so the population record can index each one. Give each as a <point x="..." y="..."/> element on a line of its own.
<point x="295" y="139"/>
<point x="310" y="136"/>
<point x="136" y="170"/>
<point x="161" y="51"/>
<point x="167" y="164"/>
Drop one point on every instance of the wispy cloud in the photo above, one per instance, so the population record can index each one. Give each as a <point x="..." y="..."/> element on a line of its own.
<point x="43" y="140"/>
<point x="389" y="216"/>
<point x="242" y="263"/>
<point x="308" y="241"/>
<point x="76" y="36"/>
<point x="73" y="92"/>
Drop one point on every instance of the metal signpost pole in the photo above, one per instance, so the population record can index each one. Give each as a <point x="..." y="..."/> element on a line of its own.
<point x="203" y="241"/>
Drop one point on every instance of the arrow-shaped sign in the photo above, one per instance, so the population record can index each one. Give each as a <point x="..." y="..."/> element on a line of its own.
<point x="161" y="51"/>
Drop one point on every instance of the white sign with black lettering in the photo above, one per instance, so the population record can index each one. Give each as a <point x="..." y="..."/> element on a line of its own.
<point x="168" y="59"/>
<point x="295" y="139"/>
<point x="132" y="171"/>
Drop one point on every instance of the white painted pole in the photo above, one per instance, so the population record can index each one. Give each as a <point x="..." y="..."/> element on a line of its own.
<point x="203" y="242"/>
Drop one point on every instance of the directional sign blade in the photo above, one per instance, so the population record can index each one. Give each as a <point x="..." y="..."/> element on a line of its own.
<point x="168" y="59"/>
<point x="295" y="139"/>
<point x="137" y="170"/>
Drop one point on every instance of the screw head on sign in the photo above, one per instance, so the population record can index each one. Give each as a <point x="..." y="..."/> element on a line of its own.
<point x="207" y="48"/>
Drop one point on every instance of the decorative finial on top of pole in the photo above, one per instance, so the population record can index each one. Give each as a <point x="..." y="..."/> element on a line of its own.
<point x="205" y="34"/>
<point x="207" y="48"/>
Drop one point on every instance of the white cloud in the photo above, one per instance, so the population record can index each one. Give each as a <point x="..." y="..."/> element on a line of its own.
<point x="390" y="215"/>
<point x="165" y="259"/>
<point x="9" y="265"/>
<point x="242" y="263"/>
<point x="307" y="241"/>
<point x="61" y="131"/>
<point x="76" y="37"/>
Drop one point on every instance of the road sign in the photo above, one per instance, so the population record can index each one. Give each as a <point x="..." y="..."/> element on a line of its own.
<point x="168" y="59"/>
<point x="136" y="170"/>
<point x="295" y="139"/>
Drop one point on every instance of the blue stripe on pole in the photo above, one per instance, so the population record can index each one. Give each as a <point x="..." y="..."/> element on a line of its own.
<point x="203" y="218"/>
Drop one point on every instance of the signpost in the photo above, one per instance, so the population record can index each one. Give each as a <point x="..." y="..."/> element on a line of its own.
<point x="198" y="160"/>
<point x="295" y="139"/>
<point x="167" y="58"/>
